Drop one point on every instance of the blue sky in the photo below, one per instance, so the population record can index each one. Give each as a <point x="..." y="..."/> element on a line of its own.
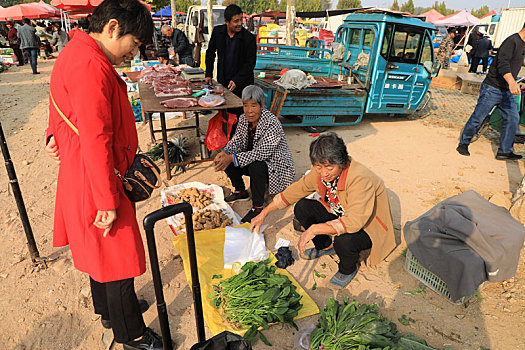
<point x="454" y="4"/>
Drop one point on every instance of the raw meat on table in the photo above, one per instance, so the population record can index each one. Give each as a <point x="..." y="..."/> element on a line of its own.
<point x="211" y="100"/>
<point x="180" y="102"/>
<point x="173" y="91"/>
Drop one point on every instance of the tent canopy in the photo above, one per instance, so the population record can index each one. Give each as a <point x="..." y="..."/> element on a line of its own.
<point x="166" y="12"/>
<point x="431" y="15"/>
<point x="460" y="18"/>
<point x="490" y="13"/>
<point x="18" y="12"/>
<point x="82" y="5"/>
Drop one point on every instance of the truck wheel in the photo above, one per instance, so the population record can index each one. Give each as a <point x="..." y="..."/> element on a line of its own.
<point x="315" y="129"/>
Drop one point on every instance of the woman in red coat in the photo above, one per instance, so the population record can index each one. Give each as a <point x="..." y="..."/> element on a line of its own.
<point x="92" y="214"/>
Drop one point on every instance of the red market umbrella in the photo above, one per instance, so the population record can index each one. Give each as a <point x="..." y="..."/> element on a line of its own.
<point x="82" y="5"/>
<point x="18" y="12"/>
<point x="51" y="9"/>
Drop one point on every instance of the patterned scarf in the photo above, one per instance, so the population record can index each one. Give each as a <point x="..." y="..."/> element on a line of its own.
<point x="331" y="197"/>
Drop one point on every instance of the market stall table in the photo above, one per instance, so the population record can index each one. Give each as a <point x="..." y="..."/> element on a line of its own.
<point x="151" y="104"/>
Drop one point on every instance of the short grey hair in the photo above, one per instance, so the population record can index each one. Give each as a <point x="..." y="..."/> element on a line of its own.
<point x="165" y="27"/>
<point x="255" y="93"/>
<point x="329" y="148"/>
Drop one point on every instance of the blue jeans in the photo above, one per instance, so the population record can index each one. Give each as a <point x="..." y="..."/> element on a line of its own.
<point x="490" y="96"/>
<point x="33" y="53"/>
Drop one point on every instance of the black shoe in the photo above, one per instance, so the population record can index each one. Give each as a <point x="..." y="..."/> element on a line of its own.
<point x="149" y="341"/>
<point x="251" y="214"/>
<point x="297" y="226"/>
<point x="36" y="72"/>
<point x="463" y="150"/>
<point x="105" y="323"/>
<point x="237" y="196"/>
<point x="143" y="304"/>
<point x="508" y="156"/>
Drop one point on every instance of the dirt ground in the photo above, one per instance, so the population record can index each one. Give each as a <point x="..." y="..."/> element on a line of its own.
<point x="51" y="308"/>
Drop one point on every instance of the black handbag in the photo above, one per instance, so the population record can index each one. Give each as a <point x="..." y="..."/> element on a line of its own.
<point x="140" y="179"/>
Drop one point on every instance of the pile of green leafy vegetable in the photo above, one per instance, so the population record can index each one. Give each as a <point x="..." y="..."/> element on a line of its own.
<point x="256" y="297"/>
<point x="354" y="326"/>
<point x="177" y="150"/>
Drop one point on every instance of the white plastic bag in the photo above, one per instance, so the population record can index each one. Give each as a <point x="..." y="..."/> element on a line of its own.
<point x="240" y="245"/>
<point x="295" y="79"/>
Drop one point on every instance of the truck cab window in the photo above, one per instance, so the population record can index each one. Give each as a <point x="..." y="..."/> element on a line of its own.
<point x="492" y="29"/>
<point x="355" y="37"/>
<point x="405" y="45"/>
<point x="426" y="53"/>
<point x="386" y="42"/>
<point x="369" y="38"/>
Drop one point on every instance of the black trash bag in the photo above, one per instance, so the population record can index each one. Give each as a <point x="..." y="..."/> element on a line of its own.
<point x="224" y="341"/>
<point x="284" y="258"/>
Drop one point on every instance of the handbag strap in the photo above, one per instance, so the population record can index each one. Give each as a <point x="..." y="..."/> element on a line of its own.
<point x="75" y="129"/>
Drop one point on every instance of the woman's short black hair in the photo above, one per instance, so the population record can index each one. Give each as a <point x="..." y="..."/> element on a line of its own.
<point x="329" y="148"/>
<point x="230" y="11"/>
<point x="132" y="16"/>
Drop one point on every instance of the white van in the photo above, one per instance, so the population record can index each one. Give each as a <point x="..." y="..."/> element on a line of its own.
<point x="198" y="16"/>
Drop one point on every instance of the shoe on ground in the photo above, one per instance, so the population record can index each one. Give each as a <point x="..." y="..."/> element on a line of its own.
<point x="342" y="280"/>
<point x="299" y="229"/>
<point x="463" y="150"/>
<point x="508" y="156"/>
<point x="36" y="73"/>
<point x="149" y="341"/>
<point x="251" y="214"/>
<point x="314" y="253"/>
<point x="237" y="196"/>
<point x="143" y="304"/>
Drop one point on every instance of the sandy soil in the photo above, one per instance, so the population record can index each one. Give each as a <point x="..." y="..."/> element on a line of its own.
<point x="51" y="308"/>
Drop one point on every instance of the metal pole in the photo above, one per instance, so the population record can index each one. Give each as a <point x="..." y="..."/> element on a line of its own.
<point x="210" y="17"/>
<point x="31" y="244"/>
<point x="173" y="14"/>
<point x="290" y="22"/>
<point x="149" y="223"/>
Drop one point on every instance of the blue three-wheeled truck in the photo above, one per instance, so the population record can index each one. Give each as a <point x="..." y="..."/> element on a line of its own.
<point x="382" y="62"/>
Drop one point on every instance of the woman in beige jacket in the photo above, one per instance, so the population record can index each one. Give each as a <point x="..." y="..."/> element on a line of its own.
<point x="351" y="215"/>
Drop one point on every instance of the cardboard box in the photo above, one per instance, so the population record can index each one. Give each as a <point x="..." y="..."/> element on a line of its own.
<point x="470" y="83"/>
<point x="447" y="79"/>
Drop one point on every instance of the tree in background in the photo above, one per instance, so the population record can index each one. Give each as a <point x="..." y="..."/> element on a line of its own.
<point x="408" y="6"/>
<point x="442" y="8"/>
<point x="326" y="5"/>
<point x="308" y="5"/>
<point x="180" y="5"/>
<point x="228" y="2"/>
<point x="419" y="10"/>
<point x="395" y="6"/>
<point x="348" y="4"/>
<point x="482" y="11"/>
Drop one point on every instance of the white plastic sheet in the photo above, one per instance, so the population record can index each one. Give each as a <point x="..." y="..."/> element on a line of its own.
<point x="240" y="245"/>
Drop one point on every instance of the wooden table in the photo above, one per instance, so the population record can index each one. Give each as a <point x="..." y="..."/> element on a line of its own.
<point x="151" y="104"/>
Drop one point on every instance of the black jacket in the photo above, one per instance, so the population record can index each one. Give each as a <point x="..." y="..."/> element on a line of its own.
<point x="484" y="45"/>
<point x="180" y="43"/>
<point x="508" y="60"/>
<point x="244" y="57"/>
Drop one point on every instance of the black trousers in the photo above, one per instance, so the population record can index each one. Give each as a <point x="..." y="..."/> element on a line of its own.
<point x="475" y="64"/>
<point x="347" y="246"/>
<point x="116" y="301"/>
<point x="19" y="56"/>
<point x="258" y="173"/>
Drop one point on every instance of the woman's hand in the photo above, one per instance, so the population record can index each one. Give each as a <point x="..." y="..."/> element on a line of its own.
<point x="306" y="237"/>
<point x="257" y="222"/>
<point x="52" y="150"/>
<point x="105" y="220"/>
<point x="222" y="160"/>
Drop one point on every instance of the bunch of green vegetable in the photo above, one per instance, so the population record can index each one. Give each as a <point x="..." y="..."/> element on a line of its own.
<point x="354" y="326"/>
<point x="256" y="297"/>
<point x="176" y="151"/>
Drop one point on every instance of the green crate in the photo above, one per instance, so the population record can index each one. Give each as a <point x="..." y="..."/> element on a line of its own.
<point x="429" y="279"/>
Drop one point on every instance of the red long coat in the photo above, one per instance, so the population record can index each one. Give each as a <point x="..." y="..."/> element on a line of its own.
<point x="88" y="91"/>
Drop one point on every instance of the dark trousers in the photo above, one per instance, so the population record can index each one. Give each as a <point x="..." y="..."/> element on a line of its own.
<point x="19" y="56"/>
<point x="258" y="173"/>
<point x="347" y="246"/>
<point x="475" y="63"/>
<point x="116" y="301"/>
<point x="33" y="53"/>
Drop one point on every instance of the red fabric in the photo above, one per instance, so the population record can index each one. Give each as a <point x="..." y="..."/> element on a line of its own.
<point x="90" y="93"/>
<point x="12" y="35"/>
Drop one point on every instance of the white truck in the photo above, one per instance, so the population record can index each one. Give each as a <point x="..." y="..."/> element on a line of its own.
<point x="197" y="17"/>
<point x="500" y="27"/>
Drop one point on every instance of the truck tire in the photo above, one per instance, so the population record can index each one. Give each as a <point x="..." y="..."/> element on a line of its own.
<point x="315" y="129"/>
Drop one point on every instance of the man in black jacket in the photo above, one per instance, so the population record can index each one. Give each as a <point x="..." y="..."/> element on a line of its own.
<point x="236" y="52"/>
<point x="499" y="88"/>
<point x="181" y="45"/>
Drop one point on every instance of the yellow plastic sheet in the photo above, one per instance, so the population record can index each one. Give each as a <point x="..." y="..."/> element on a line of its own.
<point x="209" y="246"/>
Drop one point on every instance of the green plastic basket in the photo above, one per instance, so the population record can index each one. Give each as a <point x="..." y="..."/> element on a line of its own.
<point x="429" y="279"/>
